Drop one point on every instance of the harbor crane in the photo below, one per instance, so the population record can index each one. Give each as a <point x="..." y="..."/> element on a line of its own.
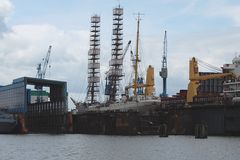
<point x="164" y="72"/>
<point x="42" y="67"/>
<point x="41" y="72"/>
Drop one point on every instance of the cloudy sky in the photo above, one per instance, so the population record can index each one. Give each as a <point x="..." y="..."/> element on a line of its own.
<point x="206" y="29"/>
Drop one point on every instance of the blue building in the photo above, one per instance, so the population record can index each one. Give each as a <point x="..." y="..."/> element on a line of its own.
<point x="16" y="97"/>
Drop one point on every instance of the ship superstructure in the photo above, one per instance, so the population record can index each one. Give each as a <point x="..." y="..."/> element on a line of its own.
<point x="231" y="87"/>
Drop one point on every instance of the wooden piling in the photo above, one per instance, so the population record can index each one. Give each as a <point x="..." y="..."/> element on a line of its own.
<point x="162" y="130"/>
<point x="47" y="117"/>
<point x="201" y="131"/>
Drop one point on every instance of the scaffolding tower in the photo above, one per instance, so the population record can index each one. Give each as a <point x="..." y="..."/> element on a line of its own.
<point x="94" y="62"/>
<point x="115" y="73"/>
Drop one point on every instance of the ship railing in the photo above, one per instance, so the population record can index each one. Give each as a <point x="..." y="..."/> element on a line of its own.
<point x="209" y="100"/>
<point x="172" y="102"/>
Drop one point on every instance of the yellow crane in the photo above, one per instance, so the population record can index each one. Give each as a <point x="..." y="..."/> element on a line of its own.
<point x="195" y="79"/>
<point x="149" y="86"/>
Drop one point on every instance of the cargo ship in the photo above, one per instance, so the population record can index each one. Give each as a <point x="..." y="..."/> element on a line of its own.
<point x="8" y="123"/>
<point x="187" y="113"/>
<point x="178" y="115"/>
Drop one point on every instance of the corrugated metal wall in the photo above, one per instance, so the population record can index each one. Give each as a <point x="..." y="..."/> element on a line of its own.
<point x="12" y="97"/>
<point x="211" y="86"/>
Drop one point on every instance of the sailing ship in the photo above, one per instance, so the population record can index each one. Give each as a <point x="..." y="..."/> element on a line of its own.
<point x="143" y="93"/>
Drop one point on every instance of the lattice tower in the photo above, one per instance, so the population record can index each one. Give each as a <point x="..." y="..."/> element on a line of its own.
<point x="115" y="73"/>
<point x="94" y="61"/>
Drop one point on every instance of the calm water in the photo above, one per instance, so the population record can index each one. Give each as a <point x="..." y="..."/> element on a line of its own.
<point x="93" y="147"/>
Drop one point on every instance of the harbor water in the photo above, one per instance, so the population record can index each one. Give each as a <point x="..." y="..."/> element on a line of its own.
<point x="97" y="147"/>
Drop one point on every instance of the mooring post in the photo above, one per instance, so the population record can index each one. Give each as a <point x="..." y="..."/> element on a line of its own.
<point x="201" y="131"/>
<point x="162" y="130"/>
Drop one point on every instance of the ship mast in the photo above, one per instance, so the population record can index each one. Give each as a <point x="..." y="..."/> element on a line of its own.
<point x="137" y="57"/>
<point x="115" y="73"/>
<point x="94" y="62"/>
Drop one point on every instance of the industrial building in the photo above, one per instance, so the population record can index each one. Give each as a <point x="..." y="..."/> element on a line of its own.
<point x="19" y="95"/>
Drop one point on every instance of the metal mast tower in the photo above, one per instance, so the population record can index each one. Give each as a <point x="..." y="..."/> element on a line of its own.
<point x="115" y="73"/>
<point x="137" y="60"/>
<point x="164" y="72"/>
<point x="93" y="61"/>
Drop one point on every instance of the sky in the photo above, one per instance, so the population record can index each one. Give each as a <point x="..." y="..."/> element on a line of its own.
<point x="206" y="29"/>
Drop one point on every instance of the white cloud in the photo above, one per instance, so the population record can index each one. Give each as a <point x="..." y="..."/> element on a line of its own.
<point x="224" y="9"/>
<point x="6" y="8"/>
<point x="209" y="8"/>
<point x="232" y="12"/>
<point x="24" y="46"/>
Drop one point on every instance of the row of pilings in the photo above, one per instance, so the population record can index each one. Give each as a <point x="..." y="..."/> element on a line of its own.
<point x="47" y="117"/>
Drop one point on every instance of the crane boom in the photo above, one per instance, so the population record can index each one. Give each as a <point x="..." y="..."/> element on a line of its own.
<point x="46" y="62"/>
<point x="126" y="49"/>
<point x="42" y="67"/>
<point x="212" y="76"/>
